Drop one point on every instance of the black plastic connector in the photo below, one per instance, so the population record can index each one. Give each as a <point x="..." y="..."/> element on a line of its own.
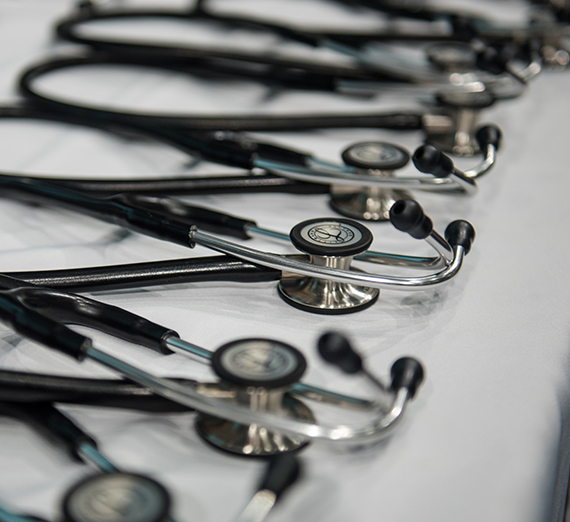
<point x="492" y="61"/>
<point x="282" y="472"/>
<point x="51" y="424"/>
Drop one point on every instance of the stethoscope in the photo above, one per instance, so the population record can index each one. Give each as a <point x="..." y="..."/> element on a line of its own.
<point x="457" y="114"/>
<point x="121" y="496"/>
<point x="363" y="187"/>
<point x="547" y="27"/>
<point x="377" y="61"/>
<point x="259" y="378"/>
<point x="320" y="281"/>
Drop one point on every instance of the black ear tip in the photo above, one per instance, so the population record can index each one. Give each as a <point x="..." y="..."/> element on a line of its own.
<point x="408" y="216"/>
<point x="431" y="160"/>
<point x="460" y="233"/>
<point x="407" y="372"/>
<point x="405" y="214"/>
<point x="336" y="349"/>
<point x="489" y="135"/>
<point x="426" y="157"/>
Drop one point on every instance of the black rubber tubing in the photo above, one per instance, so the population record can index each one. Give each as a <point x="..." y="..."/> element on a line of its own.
<point x="109" y="393"/>
<point x="137" y="275"/>
<point x="398" y="120"/>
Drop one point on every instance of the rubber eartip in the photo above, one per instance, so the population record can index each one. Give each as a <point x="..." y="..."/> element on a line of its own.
<point x="408" y="216"/>
<point x="335" y="349"/>
<point x="460" y="233"/>
<point x="431" y="160"/>
<point x="282" y="472"/>
<point x="407" y="372"/>
<point x="489" y="135"/>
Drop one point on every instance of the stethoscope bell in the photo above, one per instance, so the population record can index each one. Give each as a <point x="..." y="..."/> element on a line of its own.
<point x="256" y="373"/>
<point x="464" y="108"/>
<point x="330" y="243"/>
<point x="453" y="57"/>
<point x="117" y="497"/>
<point x="371" y="158"/>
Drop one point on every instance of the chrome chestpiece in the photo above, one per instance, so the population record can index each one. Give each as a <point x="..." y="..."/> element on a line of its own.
<point x="257" y="372"/>
<point x="371" y="203"/>
<point x="464" y="109"/>
<point x="262" y="375"/>
<point x="331" y="243"/>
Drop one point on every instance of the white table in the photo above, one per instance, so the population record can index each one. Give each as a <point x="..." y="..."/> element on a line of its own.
<point x="487" y="437"/>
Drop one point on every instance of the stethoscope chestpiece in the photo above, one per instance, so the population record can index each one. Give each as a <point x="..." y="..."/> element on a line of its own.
<point x="373" y="158"/>
<point x="452" y="57"/>
<point x="330" y="243"/>
<point x="257" y="374"/>
<point x="117" y="497"/>
<point x="464" y="108"/>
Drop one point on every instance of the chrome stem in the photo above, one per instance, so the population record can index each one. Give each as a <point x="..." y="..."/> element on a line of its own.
<point x="259" y="507"/>
<point x="344" y="176"/>
<point x="90" y="453"/>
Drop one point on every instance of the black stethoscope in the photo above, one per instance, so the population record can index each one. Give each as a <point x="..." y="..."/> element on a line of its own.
<point x="254" y="409"/>
<point x="376" y="62"/>
<point x="319" y="281"/>
<point x="112" y="494"/>
<point x="452" y="125"/>
<point x="363" y="187"/>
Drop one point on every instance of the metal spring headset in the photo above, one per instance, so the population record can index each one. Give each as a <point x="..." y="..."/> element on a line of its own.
<point x="257" y="375"/>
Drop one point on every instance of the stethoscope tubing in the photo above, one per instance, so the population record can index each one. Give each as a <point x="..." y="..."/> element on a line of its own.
<point x="397" y="120"/>
<point x="156" y="225"/>
<point x="41" y="327"/>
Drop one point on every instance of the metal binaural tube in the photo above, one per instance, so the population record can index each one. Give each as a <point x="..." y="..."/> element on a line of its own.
<point x="299" y="389"/>
<point x="334" y="274"/>
<point x="368" y="432"/>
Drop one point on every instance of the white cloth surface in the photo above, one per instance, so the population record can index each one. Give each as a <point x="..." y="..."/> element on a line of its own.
<point x="486" y="438"/>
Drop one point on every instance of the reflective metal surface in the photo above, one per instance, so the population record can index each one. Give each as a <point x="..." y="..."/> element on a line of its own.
<point x="381" y="424"/>
<point x="291" y="264"/>
<point x="368" y="203"/>
<point x="259" y="507"/>
<point x="254" y="439"/>
<point x="323" y="296"/>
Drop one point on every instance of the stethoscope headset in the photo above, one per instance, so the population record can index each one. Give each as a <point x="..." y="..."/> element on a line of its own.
<point x="113" y="494"/>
